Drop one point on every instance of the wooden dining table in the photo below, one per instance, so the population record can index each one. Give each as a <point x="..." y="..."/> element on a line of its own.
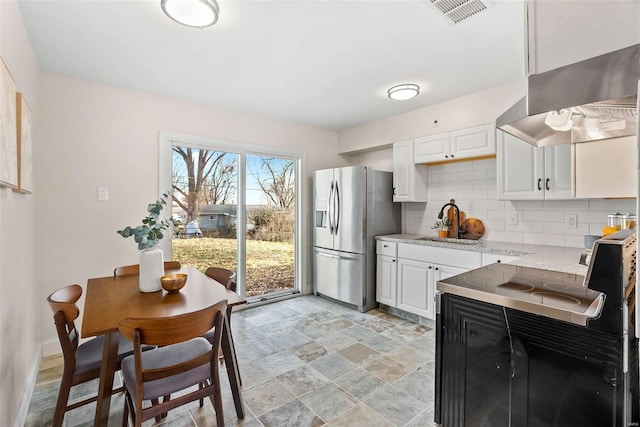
<point x="111" y="299"/>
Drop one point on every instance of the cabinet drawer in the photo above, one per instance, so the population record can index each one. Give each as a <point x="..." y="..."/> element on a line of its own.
<point x="384" y="247"/>
<point x="493" y="258"/>
<point x="445" y="256"/>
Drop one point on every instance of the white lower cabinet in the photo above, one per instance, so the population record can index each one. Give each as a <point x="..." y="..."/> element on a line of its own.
<point x="416" y="287"/>
<point x="495" y="258"/>
<point x="407" y="274"/>
<point x="386" y="279"/>
<point x="441" y="272"/>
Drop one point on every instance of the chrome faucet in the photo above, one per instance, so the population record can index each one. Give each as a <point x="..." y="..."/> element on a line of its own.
<point x="452" y="202"/>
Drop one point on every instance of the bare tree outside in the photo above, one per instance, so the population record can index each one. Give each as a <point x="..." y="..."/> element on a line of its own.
<point x="202" y="177"/>
<point x="220" y="188"/>
<point x="276" y="179"/>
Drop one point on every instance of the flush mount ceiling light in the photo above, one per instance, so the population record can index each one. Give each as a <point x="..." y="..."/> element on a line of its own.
<point x="404" y="91"/>
<point x="192" y="13"/>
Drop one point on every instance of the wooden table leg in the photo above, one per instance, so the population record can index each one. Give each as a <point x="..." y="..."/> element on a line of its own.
<point x="231" y="362"/>
<point x="107" y="369"/>
<point x="233" y="345"/>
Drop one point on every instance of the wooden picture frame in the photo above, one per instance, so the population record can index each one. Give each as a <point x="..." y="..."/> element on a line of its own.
<point x="25" y="144"/>
<point x="8" y="129"/>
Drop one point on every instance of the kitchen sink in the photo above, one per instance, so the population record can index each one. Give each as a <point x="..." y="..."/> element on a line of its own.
<point x="451" y="240"/>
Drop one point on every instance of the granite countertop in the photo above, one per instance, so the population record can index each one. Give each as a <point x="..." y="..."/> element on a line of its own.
<point x="554" y="258"/>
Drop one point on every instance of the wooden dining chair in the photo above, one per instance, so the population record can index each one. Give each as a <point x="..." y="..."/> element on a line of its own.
<point x="128" y="270"/>
<point x="183" y="359"/>
<point x="223" y="276"/>
<point x="81" y="361"/>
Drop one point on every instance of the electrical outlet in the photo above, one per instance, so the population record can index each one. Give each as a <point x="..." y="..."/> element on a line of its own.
<point x="512" y="218"/>
<point x="571" y="221"/>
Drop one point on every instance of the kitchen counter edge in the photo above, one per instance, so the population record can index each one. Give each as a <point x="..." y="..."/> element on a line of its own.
<point x="546" y="257"/>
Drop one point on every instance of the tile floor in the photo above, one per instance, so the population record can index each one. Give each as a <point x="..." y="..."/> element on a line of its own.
<point x="306" y="361"/>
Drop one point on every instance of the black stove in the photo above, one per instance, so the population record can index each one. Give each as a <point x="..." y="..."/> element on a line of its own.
<point x="519" y="346"/>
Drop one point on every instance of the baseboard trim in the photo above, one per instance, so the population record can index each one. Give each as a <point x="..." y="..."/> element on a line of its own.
<point x="25" y="402"/>
<point x="51" y="347"/>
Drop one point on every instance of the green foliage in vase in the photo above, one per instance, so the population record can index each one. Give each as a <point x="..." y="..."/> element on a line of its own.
<point x="442" y="224"/>
<point x="149" y="233"/>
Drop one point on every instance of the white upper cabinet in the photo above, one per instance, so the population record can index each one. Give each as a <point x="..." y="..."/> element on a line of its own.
<point x="607" y="168"/>
<point x="525" y="172"/>
<point x="564" y="32"/>
<point x="409" y="179"/>
<point x="460" y="144"/>
<point x="432" y="148"/>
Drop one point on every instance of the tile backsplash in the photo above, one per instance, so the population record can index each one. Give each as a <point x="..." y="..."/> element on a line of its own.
<point x="473" y="186"/>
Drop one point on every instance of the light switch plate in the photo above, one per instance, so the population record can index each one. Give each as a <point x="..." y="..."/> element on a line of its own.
<point x="103" y="193"/>
<point x="512" y="217"/>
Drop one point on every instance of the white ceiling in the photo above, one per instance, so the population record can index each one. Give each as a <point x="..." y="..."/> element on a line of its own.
<point x="326" y="63"/>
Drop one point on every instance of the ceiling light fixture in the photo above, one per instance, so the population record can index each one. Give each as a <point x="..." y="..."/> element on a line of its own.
<point x="192" y="13"/>
<point x="404" y="91"/>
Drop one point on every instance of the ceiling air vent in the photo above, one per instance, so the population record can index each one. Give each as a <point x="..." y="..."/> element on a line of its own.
<point x="458" y="10"/>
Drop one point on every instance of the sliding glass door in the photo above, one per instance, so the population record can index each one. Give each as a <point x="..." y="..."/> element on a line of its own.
<point x="271" y="223"/>
<point x="237" y="209"/>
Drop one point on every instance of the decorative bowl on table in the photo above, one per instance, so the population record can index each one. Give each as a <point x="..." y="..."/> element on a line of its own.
<point x="172" y="283"/>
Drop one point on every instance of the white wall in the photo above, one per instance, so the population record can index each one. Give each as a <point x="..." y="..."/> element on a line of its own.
<point x="473" y="186"/>
<point x="21" y="299"/>
<point x="379" y="160"/>
<point x="98" y="135"/>
<point x="466" y="111"/>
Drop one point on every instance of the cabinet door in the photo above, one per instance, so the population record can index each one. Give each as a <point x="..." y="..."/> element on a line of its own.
<point x="558" y="172"/>
<point x="402" y="166"/>
<point x="607" y="168"/>
<point x="495" y="258"/>
<point x="386" y="270"/>
<point x="473" y="142"/>
<point x="409" y="179"/>
<point x="432" y="148"/>
<point x="520" y="169"/>
<point x="441" y="272"/>
<point x="415" y="287"/>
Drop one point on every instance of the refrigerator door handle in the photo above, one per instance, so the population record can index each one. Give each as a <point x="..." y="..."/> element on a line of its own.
<point x="336" y="212"/>
<point x="329" y="210"/>
<point x="329" y="255"/>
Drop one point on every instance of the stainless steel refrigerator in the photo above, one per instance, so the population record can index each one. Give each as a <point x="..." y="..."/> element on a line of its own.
<point x="351" y="206"/>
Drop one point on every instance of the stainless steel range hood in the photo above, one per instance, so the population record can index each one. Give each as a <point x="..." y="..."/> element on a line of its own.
<point x="598" y="96"/>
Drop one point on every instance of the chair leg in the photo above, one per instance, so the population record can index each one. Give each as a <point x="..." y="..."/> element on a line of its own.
<point x="166" y="399"/>
<point x="161" y="416"/>
<point x="200" y="387"/>
<point x="216" y="400"/>
<point x="128" y="407"/>
<point x="125" y="413"/>
<point x="63" y="397"/>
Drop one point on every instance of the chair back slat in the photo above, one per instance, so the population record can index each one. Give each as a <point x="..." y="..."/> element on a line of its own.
<point x="223" y="276"/>
<point x="65" y="300"/>
<point x="156" y="374"/>
<point x="171" y="330"/>
<point x="128" y="270"/>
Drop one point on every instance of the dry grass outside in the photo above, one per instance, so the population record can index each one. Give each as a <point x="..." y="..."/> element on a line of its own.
<point x="270" y="265"/>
